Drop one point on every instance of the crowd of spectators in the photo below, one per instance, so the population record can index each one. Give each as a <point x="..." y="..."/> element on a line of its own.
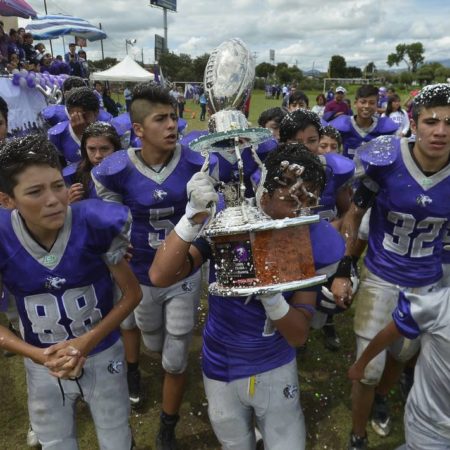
<point x="18" y="51"/>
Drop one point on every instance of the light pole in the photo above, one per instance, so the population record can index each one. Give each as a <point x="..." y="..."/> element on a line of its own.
<point x="129" y="42"/>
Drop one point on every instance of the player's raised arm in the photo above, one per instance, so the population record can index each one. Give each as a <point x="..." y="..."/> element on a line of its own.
<point x="176" y="257"/>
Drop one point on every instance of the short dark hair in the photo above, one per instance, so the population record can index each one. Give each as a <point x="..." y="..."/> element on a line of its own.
<point x="295" y="153"/>
<point x="72" y="44"/>
<point x="17" y="154"/>
<point x="296" y="121"/>
<point x="276" y="114"/>
<point x="429" y="96"/>
<point x="72" y="82"/>
<point x="82" y="97"/>
<point x="367" y="90"/>
<point x="298" y="96"/>
<point x="144" y="96"/>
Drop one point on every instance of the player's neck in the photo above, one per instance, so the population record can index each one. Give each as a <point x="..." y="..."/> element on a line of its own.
<point x="363" y="123"/>
<point x="44" y="237"/>
<point x="428" y="165"/>
<point x="154" y="157"/>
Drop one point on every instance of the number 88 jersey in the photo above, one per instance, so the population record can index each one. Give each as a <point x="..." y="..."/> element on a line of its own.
<point x="62" y="293"/>
<point x="409" y="216"/>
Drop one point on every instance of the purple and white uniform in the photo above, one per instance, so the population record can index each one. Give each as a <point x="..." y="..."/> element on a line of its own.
<point x="427" y="412"/>
<point x="66" y="141"/>
<point x="241" y="347"/>
<point x="157" y="200"/>
<point x="61" y="294"/>
<point x="353" y="136"/>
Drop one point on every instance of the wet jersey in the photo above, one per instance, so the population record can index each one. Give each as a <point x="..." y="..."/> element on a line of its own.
<point x="238" y="339"/>
<point x="157" y="199"/>
<point x="353" y="136"/>
<point x="409" y="216"/>
<point x="66" y="141"/>
<point x="339" y="171"/>
<point x="62" y="293"/>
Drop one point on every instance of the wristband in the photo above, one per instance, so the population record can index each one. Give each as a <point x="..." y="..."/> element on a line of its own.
<point x="310" y="308"/>
<point x="186" y="230"/>
<point x="344" y="268"/>
<point x="276" y="306"/>
<point x="365" y="194"/>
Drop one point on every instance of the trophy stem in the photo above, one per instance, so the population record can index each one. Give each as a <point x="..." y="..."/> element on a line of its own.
<point x="240" y="166"/>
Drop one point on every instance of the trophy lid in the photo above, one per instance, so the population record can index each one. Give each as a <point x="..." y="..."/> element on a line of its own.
<point x="245" y="218"/>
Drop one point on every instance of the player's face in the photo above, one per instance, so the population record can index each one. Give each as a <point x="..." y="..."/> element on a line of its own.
<point x="282" y="203"/>
<point x="274" y="127"/>
<point x="309" y="137"/>
<point x="41" y="197"/>
<point x="3" y="127"/>
<point x="159" y="130"/>
<point x="432" y="134"/>
<point x="366" y="107"/>
<point x="98" y="148"/>
<point x="328" y="145"/>
<point x="299" y="104"/>
<point x="88" y="116"/>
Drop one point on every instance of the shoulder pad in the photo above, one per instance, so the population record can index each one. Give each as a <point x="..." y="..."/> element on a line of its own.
<point x="69" y="171"/>
<point x="105" y="219"/>
<point x="266" y="147"/>
<point x="194" y="134"/>
<point x="182" y="124"/>
<point x="59" y="128"/>
<point x="381" y="151"/>
<point x="121" y="123"/>
<point x="112" y="165"/>
<point x="54" y="114"/>
<point x="386" y="125"/>
<point x="323" y="122"/>
<point x="197" y="159"/>
<point x="104" y="116"/>
<point x="342" y="123"/>
<point x="327" y="243"/>
<point x="340" y="165"/>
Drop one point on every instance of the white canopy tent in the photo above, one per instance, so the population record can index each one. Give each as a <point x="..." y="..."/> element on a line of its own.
<point x="127" y="70"/>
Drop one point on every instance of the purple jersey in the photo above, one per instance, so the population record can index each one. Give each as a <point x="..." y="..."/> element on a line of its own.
<point x="339" y="170"/>
<point x="63" y="293"/>
<point x="238" y="339"/>
<point x="66" y="141"/>
<point x="353" y="136"/>
<point x="157" y="200"/>
<point x="409" y="216"/>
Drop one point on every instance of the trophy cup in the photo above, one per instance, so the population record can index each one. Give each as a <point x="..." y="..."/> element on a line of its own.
<point x="253" y="253"/>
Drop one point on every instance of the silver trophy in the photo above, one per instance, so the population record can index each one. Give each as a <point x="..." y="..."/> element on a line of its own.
<point x="253" y="253"/>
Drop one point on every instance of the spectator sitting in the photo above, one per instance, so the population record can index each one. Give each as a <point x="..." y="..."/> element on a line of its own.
<point x="28" y="47"/>
<point x="337" y="106"/>
<point x="109" y="103"/>
<point x="84" y="64"/>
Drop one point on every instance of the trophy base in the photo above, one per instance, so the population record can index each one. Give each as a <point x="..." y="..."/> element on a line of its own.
<point x="245" y="291"/>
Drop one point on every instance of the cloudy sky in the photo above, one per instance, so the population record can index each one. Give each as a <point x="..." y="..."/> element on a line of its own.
<point x="302" y="32"/>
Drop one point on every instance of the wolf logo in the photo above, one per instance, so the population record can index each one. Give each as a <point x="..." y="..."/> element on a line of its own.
<point x="423" y="200"/>
<point x="115" y="366"/>
<point x="159" y="194"/>
<point x="54" y="282"/>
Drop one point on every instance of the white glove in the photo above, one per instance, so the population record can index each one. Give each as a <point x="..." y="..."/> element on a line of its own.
<point x="275" y="305"/>
<point x="201" y="194"/>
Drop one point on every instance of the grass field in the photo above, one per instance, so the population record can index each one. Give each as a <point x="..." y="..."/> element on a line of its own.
<point x="324" y="385"/>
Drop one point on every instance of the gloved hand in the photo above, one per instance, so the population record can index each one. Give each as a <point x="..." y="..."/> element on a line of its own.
<point x="201" y="194"/>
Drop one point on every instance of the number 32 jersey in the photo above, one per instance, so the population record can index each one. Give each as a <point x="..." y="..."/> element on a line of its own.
<point x="63" y="293"/>
<point x="409" y="216"/>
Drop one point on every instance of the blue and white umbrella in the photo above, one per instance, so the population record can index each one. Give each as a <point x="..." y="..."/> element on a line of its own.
<point x="54" y="26"/>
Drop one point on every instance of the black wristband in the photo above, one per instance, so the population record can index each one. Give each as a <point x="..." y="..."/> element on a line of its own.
<point x="365" y="194"/>
<point x="344" y="269"/>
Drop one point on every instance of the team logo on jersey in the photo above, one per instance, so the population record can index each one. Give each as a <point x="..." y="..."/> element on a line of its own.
<point x="54" y="282"/>
<point x="115" y="367"/>
<point x="423" y="200"/>
<point x="187" y="286"/>
<point x="290" y="391"/>
<point x="159" y="194"/>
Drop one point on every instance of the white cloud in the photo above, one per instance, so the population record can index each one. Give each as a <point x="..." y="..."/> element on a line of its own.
<point x="307" y="31"/>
